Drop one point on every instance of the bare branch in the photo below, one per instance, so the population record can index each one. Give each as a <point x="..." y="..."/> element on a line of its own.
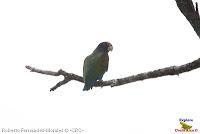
<point x="191" y="13"/>
<point x="59" y="84"/>
<point x="173" y="70"/>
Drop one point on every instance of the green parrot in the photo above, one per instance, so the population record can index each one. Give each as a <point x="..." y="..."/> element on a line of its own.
<point x="185" y="126"/>
<point x="96" y="64"/>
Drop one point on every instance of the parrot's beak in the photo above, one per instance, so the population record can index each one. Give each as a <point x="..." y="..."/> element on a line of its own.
<point x="110" y="47"/>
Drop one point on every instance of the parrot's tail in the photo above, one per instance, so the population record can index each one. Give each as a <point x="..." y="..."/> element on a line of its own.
<point x="86" y="87"/>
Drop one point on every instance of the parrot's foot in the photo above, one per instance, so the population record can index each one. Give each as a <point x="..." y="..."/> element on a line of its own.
<point x="101" y="81"/>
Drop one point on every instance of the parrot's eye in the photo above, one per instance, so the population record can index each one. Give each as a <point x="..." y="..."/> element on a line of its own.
<point x="110" y="47"/>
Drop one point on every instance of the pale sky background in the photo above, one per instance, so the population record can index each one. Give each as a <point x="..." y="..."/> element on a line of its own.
<point x="146" y="35"/>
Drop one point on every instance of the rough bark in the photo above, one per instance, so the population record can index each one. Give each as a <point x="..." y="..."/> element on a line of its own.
<point x="192" y="15"/>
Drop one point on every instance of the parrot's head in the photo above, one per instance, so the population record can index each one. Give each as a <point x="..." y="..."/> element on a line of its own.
<point x="105" y="47"/>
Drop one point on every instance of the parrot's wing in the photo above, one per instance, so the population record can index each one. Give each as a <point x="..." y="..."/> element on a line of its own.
<point x="89" y="70"/>
<point x="95" y="65"/>
<point x="85" y="67"/>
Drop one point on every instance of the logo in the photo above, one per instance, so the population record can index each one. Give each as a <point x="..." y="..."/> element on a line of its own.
<point x="185" y="126"/>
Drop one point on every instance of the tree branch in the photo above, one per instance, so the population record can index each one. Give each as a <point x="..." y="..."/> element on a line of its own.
<point x="173" y="70"/>
<point x="192" y="15"/>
